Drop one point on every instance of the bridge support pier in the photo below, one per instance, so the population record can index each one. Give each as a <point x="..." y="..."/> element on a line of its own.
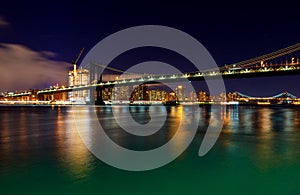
<point x="95" y="74"/>
<point x="99" y="98"/>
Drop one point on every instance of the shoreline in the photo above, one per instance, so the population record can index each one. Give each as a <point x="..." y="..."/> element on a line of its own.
<point x="68" y="103"/>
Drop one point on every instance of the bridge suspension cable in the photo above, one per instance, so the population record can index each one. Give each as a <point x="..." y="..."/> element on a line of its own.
<point x="268" y="56"/>
<point x="242" y="64"/>
<point x="116" y="70"/>
<point x="109" y="68"/>
<point x="283" y="94"/>
<point x="243" y="95"/>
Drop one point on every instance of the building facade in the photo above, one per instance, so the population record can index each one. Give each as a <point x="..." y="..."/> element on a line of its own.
<point x="203" y="96"/>
<point x="121" y="93"/>
<point x="193" y="96"/>
<point x="180" y="93"/>
<point x="79" y="77"/>
<point x="140" y="92"/>
<point x="157" y="95"/>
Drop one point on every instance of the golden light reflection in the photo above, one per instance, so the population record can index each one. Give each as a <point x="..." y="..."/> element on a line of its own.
<point x="181" y="117"/>
<point x="5" y="135"/>
<point x="24" y="131"/>
<point x="226" y="115"/>
<point x="264" y="122"/>
<point x="272" y="149"/>
<point x="287" y="120"/>
<point x="77" y="158"/>
<point x="263" y="149"/>
<point x="60" y="133"/>
<point x="246" y="121"/>
<point x="176" y="117"/>
<point x="296" y="117"/>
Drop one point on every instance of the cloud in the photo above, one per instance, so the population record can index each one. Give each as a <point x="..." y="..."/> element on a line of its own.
<point x="48" y="54"/>
<point x="22" y="68"/>
<point x="3" y="22"/>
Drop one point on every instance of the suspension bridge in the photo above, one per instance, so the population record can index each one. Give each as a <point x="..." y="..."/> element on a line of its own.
<point x="281" y="98"/>
<point x="281" y="62"/>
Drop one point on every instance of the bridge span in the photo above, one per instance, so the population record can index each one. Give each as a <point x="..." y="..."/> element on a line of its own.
<point x="265" y="65"/>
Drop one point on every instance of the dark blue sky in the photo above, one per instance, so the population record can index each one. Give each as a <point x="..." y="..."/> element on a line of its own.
<point x="230" y="33"/>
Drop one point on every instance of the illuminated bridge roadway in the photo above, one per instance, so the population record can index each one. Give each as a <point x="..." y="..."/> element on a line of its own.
<point x="265" y="65"/>
<point x="274" y="70"/>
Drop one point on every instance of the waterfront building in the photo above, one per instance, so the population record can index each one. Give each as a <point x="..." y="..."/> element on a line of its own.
<point x="121" y="93"/>
<point x="171" y="96"/>
<point x="107" y="94"/>
<point x="193" y="96"/>
<point x="79" y="77"/>
<point x="157" y="95"/>
<point x="180" y="92"/>
<point x="203" y="97"/>
<point x="140" y="92"/>
<point x="232" y="96"/>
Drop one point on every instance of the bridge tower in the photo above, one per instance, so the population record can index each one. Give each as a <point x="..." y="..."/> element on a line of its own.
<point x="96" y="77"/>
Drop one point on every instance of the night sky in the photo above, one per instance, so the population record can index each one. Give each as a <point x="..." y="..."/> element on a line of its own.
<point x="38" y="41"/>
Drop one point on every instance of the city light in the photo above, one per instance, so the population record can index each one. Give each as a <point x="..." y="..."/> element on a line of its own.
<point x="78" y="89"/>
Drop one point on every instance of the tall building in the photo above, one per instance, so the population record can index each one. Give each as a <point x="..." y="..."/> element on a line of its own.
<point x="203" y="97"/>
<point x="219" y="98"/>
<point x="78" y="77"/>
<point x="232" y="96"/>
<point x="107" y="93"/>
<point x="193" y="96"/>
<point x="157" y="95"/>
<point x="140" y="92"/>
<point x="180" y="92"/>
<point x="171" y="96"/>
<point x="121" y="93"/>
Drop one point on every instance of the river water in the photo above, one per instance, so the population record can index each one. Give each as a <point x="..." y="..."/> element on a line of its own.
<point x="258" y="152"/>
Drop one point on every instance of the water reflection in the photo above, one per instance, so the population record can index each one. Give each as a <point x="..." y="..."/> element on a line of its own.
<point x="183" y="118"/>
<point x="254" y="120"/>
<point x="141" y="115"/>
<point x="74" y="155"/>
<point x="30" y="136"/>
<point x="267" y="136"/>
<point x="272" y="139"/>
<point x="296" y="119"/>
<point x="5" y="146"/>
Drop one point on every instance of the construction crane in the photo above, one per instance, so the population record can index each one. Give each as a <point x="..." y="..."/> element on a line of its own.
<point x="74" y="62"/>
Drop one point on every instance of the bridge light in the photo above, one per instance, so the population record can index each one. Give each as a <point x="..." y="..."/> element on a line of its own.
<point x="293" y="60"/>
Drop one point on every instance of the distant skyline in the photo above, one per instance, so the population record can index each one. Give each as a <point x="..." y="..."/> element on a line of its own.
<point x="39" y="40"/>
